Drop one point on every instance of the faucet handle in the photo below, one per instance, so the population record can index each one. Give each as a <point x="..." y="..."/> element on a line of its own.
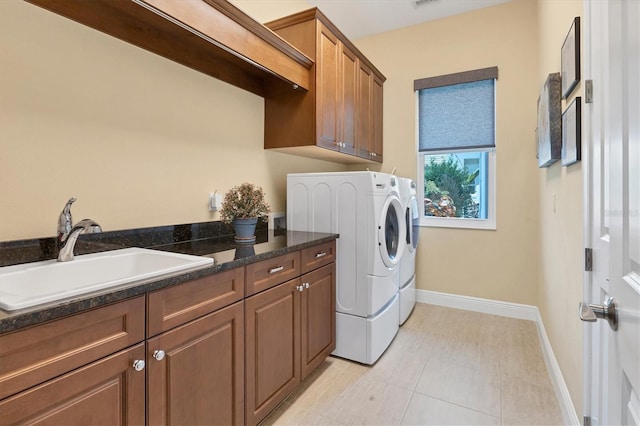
<point x="65" y="220"/>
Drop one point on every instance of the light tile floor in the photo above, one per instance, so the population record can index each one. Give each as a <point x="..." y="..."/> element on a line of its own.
<point x="444" y="367"/>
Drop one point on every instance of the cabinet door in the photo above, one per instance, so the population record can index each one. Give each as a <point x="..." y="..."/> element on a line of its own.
<point x="365" y="117"/>
<point x="272" y="321"/>
<point x="347" y="100"/>
<point x="376" y="125"/>
<point x="107" y="392"/>
<point x="34" y="355"/>
<point x="318" y="316"/>
<point x="199" y="380"/>
<point x="328" y="58"/>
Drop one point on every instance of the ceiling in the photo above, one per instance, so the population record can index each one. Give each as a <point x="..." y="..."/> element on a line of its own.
<point x="361" y="18"/>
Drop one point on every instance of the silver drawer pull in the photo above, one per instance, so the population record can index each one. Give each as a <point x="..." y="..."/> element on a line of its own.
<point x="321" y="254"/>
<point x="276" y="269"/>
<point x="138" y="365"/>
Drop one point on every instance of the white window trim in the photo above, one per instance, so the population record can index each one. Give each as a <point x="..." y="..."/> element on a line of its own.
<point x="448" y="222"/>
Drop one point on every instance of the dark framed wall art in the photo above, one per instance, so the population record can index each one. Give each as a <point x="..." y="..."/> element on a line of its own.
<point x="570" y="59"/>
<point x="549" y="130"/>
<point x="571" y="133"/>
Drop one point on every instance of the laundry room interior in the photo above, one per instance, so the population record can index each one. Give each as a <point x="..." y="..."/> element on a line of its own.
<point x="146" y="140"/>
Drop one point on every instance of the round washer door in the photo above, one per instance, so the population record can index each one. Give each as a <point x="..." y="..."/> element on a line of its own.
<point x="413" y="224"/>
<point x="391" y="232"/>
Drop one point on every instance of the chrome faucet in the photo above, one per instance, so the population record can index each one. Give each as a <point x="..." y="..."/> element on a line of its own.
<point x="68" y="232"/>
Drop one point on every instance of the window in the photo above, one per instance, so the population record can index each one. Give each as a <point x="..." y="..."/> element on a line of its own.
<point x="456" y="149"/>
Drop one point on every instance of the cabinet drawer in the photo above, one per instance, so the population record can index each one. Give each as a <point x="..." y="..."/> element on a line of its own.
<point x="317" y="256"/>
<point x="266" y="274"/>
<point x="31" y="356"/>
<point x="174" y="306"/>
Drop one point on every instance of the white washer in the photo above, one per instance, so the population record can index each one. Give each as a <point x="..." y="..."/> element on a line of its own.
<point x="364" y="208"/>
<point x="407" y="291"/>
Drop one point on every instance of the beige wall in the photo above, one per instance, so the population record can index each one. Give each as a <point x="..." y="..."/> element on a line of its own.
<point x="138" y="139"/>
<point x="561" y="218"/>
<point x="501" y="264"/>
<point x="141" y="141"/>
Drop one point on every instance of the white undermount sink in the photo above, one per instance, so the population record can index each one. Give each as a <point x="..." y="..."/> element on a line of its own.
<point x="31" y="284"/>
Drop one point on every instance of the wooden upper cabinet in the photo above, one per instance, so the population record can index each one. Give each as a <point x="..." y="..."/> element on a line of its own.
<point x="347" y="91"/>
<point x="376" y="110"/>
<point x="364" y="135"/>
<point x="210" y="36"/>
<point x="327" y="89"/>
<point x="335" y="119"/>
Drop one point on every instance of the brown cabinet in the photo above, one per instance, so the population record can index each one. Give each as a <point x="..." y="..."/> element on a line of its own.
<point x="272" y="347"/>
<point x="210" y="36"/>
<point x="290" y="330"/>
<point x="369" y="131"/>
<point x="107" y="392"/>
<point x="336" y="118"/>
<point x="65" y="371"/>
<point x="318" y="317"/>
<point x="211" y="356"/>
<point x="195" y="372"/>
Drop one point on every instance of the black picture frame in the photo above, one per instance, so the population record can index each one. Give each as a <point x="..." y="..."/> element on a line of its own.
<point x="570" y="59"/>
<point x="549" y="130"/>
<point x="572" y="132"/>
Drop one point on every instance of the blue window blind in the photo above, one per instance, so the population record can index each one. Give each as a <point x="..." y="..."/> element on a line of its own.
<point x="457" y="116"/>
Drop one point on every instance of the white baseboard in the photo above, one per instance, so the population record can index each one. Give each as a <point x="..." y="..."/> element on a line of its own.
<point x="518" y="311"/>
<point x="569" y="414"/>
<point x="475" y="304"/>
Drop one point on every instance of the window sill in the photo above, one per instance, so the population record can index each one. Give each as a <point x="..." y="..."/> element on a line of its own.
<point x="442" y="222"/>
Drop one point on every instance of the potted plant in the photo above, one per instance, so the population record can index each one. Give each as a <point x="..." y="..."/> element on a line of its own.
<point x="243" y="206"/>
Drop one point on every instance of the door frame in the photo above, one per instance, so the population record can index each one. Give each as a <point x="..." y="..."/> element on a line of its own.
<point x="590" y="334"/>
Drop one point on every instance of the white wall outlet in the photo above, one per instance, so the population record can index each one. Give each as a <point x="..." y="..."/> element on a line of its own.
<point x="215" y="201"/>
<point x="277" y="221"/>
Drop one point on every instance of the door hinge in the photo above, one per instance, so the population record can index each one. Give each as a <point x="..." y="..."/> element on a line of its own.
<point x="586" y="421"/>
<point x="588" y="91"/>
<point x="588" y="259"/>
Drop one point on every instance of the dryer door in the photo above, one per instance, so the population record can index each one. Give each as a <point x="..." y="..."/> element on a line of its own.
<point x="391" y="232"/>
<point x="413" y="224"/>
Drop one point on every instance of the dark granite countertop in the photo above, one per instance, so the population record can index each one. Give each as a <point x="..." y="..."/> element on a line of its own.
<point x="222" y="248"/>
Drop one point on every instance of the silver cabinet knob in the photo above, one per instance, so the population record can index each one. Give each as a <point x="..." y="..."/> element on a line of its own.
<point x="608" y="311"/>
<point x="299" y="288"/>
<point x="306" y="285"/>
<point x="158" y="355"/>
<point x="138" y="365"/>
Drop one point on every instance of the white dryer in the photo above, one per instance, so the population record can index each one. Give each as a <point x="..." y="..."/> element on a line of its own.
<point x="407" y="291"/>
<point x="364" y="208"/>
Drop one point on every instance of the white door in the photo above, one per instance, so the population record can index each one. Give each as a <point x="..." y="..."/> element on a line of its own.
<point x="612" y="216"/>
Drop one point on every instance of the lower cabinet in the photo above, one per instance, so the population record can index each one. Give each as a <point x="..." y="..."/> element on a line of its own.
<point x="290" y="330"/>
<point x="106" y="392"/>
<point x="211" y="356"/>
<point x="195" y="372"/>
<point x="318" y="317"/>
<point x="272" y="330"/>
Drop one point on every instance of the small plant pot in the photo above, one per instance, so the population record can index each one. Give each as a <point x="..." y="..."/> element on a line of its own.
<point x="245" y="230"/>
<point x="244" y="250"/>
